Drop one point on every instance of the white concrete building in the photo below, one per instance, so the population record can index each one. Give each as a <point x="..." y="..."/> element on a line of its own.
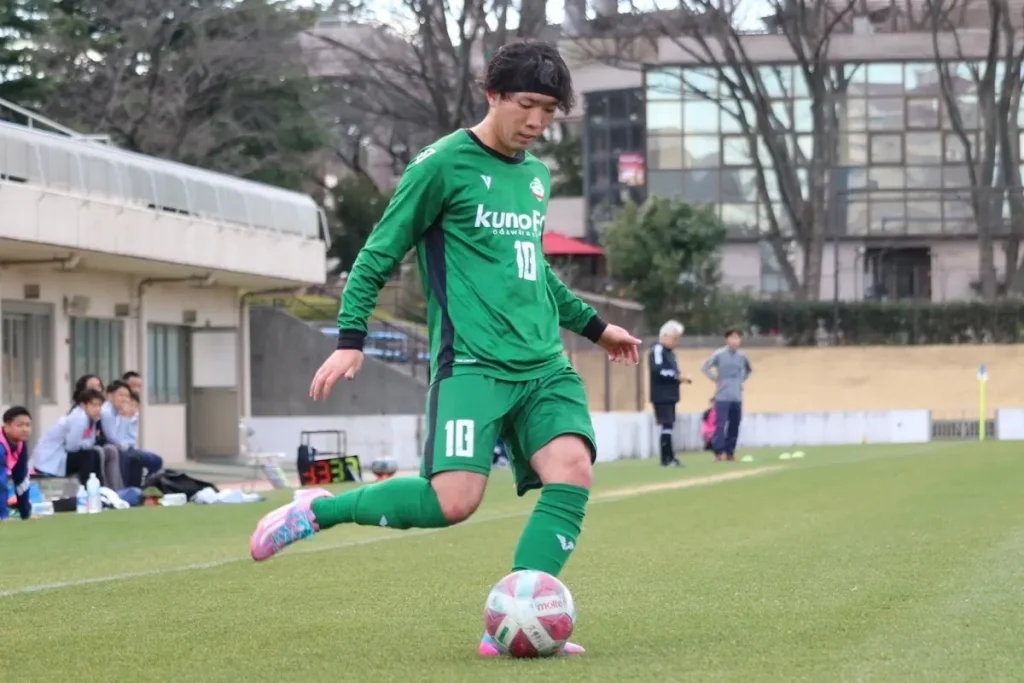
<point x="113" y="261"/>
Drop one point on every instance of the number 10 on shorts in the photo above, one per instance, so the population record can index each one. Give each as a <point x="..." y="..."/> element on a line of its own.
<point x="458" y="436"/>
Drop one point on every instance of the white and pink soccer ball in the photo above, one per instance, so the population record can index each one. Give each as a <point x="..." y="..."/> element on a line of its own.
<point x="530" y="614"/>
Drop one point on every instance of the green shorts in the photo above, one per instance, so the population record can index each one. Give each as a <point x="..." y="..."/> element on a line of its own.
<point x="467" y="413"/>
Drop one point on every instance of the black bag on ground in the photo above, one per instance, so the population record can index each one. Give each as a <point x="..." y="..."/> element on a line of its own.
<point x="173" y="481"/>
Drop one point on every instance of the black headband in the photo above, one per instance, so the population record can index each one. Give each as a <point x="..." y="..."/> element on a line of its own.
<point x="537" y="81"/>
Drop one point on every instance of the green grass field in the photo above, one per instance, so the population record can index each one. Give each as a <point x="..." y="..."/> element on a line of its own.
<point x="874" y="563"/>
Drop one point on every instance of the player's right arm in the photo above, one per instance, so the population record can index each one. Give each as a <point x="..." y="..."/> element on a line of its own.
<point x="711" y="362"/>
<point x="416" y="205"/>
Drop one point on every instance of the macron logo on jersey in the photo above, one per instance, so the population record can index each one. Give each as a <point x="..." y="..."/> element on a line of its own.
<point x="508" y="219"/>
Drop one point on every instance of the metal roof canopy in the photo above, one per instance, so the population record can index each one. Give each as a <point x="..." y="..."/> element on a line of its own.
<point x="83" y="168"/>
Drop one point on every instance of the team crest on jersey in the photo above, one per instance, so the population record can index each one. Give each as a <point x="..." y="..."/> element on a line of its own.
<point x="424" y="153"/>
<point x="537" y="188"/>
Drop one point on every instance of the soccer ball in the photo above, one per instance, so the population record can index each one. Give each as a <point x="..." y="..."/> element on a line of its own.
<point x="530" y="614"/>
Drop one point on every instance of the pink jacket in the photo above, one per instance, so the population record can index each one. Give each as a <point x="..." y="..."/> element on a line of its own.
<point x="13" y="454"/>
<point x="707" y="427"/>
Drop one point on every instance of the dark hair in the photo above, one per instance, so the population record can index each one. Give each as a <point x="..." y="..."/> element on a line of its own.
<point x="15" y="412"/>
<point x="88" y="396"/>
<point x="80" y="387"/>
<point x="82" y="381"/>
<point x="131" y="374"/>
<point x="133" y="396"/>
<point x="117" y="384"/>
<point x="530" y="66"/>
<point x="733" y="330"/>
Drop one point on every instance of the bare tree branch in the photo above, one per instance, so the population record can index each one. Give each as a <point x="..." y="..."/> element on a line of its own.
<point x="413" y="79"/>
<point x="710" y="38"/>
<point x="992" y="153"/>
<point x="216" y="85"/>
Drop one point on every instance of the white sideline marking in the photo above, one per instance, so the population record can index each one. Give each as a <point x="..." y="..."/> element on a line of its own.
<point x="607" y="496"/>
<point x="720" y="478"/>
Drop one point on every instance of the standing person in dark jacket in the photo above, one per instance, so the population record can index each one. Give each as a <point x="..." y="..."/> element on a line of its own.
<point x="731" y="369"/>
<point x="665" y="381"/>
<point x="14" y="434"/>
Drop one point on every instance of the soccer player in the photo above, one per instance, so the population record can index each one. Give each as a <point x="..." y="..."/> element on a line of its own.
<point x="665" y="381"/>
<point x="473" y="206"/>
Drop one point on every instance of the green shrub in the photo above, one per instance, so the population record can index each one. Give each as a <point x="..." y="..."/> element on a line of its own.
<point x="870" y="322"/>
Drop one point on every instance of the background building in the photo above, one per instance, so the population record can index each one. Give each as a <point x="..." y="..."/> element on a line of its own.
<point x="113" y="261"/>
<point x="900" y="223"/>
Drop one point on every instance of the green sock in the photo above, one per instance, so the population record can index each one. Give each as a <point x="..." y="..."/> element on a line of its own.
<point x="398" y="503"/>
<point x="553" y="529"/>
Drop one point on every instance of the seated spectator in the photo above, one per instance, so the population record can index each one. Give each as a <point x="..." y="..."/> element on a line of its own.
<point x="707" y="427"/>
<point x="151" y="462"/>
<point x="14" y="434"/>
<point x="134" y="382"/>
<point x="116" y="420"/>
<point x="85" y="382"/>
<point x="109" y="455"/>
<point x="66" y="448"/>
<point x="108" y="436"/>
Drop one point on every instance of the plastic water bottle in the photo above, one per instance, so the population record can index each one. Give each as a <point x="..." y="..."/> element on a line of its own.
<point x="43" y="509"/>
<point x="81" y="502"/>
<point x="92" y="490"/>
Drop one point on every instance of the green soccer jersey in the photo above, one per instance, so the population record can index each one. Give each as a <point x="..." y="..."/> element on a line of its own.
<point x="476" y="218"/>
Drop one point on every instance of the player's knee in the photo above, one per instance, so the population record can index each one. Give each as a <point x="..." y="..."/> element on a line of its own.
<point x="565" y="460"/>
<point x="457" y="507"/>
<point x="459" y="494"/>
<point x="579" y="470"/>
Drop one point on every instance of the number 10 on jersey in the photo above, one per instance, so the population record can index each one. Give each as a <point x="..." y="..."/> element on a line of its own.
<point x="526" y="259"/>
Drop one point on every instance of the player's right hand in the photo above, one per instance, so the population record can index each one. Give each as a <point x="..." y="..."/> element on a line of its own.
<point x="342" y="363"/>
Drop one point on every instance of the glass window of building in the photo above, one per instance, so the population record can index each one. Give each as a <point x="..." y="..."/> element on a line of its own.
<point x="903" y="159"/>
<point x="615" y="132"/>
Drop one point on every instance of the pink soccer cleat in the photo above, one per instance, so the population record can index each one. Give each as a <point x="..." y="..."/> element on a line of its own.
<point x="286" y="525"/>
<point x="488" y="648"/>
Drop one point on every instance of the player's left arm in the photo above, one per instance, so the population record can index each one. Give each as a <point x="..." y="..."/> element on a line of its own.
<point x="577" y="316"/>
<point x="574" y="314"/>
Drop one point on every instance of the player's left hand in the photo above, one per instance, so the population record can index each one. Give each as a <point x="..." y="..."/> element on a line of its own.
<point x="620" y="345"/>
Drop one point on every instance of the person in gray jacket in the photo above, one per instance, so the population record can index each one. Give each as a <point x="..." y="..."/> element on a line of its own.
<point x="729" y="368"/>
<point x="66" y="449"/>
